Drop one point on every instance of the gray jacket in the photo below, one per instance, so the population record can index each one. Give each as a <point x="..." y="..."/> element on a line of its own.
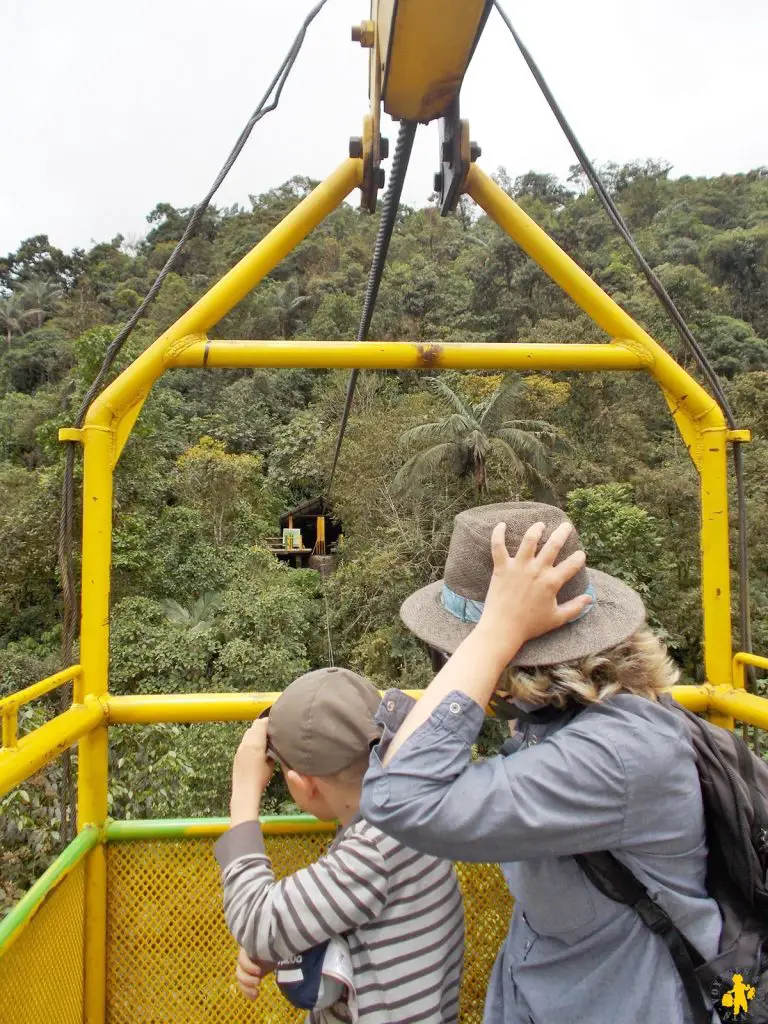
<point x="621" y="777"/>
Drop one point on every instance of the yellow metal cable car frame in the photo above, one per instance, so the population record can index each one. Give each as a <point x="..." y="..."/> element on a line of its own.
<point x="83" y="866"/>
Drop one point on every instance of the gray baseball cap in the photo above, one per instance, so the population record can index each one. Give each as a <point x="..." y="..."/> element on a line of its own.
<point x="323" y="721"/>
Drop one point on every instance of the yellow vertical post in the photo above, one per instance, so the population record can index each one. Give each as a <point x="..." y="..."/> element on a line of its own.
<point x="106" y="429"/>
<point x="93" y="752"/>
<point x="320" y="544"/>
<point x="715" y="572"/>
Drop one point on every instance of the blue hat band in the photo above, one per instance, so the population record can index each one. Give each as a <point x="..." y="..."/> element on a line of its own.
<point x="466" y="610"/>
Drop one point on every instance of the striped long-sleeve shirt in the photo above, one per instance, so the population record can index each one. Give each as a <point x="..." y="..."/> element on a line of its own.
<point x="400" y="912"/>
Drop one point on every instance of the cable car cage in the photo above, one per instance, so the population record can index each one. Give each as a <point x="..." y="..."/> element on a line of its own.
<point x="126" y="925"/>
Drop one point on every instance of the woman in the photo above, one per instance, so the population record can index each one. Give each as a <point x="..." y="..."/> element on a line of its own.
<point x="604" y="767"/>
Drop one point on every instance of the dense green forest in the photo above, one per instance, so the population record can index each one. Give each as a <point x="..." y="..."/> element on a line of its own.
<point x="199" y="603"/>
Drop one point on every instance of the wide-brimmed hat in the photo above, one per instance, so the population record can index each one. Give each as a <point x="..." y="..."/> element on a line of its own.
<point x="444" y="613"/>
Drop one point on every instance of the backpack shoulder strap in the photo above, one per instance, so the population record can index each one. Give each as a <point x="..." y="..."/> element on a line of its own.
<point x="614" y="880"/>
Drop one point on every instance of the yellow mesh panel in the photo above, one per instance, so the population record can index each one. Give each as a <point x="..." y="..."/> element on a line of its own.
<point x="170" y="959"/>
<point x="487" y="909"/>
<point x="41" y="975"/>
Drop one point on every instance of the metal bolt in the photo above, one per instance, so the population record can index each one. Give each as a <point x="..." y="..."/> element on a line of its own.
<point x="356" y="147"/>
<point x="383" y="148"/>
<point x="446" y="151"/>
<point x="438" y="181"/>
<point x="474" y="152"/>
<point x="364" y="34"/>
<point x="380" y="178"/>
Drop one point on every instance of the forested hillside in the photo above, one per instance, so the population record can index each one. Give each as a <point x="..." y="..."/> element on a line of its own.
<point x="199" y="603"/>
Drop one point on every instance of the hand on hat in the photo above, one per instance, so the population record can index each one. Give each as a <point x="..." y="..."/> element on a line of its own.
<point x="521" y="603"/>
<point x="522" y="598"/>
<point x="251" y="773"/>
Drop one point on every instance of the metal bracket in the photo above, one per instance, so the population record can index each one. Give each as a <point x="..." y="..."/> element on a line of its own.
<point x="744" y="436"/>
<point x="456" y="155"/>
<point x="70" y="434"/>
<point x="371" y="148"/>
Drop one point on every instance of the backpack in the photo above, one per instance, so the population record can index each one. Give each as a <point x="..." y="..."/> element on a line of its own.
<point x="734" y="787"/>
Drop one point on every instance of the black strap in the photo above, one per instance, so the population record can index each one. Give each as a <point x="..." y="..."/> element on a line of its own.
<point x="614" y="880"/>
<point x="505" y="707"/>
<point x="746" y="761"/>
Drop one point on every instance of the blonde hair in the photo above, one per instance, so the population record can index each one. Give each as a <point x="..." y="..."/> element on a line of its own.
<point x="639" y="665"/>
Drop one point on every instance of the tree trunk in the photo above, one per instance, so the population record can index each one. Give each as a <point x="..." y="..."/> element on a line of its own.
<point x="481" y="477"/>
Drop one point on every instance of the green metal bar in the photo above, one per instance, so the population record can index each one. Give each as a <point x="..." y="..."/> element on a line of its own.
<point x="190" y="828"/>
<point x="19" y="917"/>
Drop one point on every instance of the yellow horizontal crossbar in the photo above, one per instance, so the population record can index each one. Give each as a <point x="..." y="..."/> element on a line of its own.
<point x="740" y="662"/>
<point x="192" y="707"/>
<point x="405" y="355"/>
<point x="151" y="709"/>
<point x="9" y="706"/>
<point x="744" y="707"/>
<point x="695" y="698"/>
<point x="36" y="690"/>
<point x="45" y="744"/>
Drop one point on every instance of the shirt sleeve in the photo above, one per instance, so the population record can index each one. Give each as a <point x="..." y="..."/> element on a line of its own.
<point x="394" y="709"/>
<point x="564" y="796"/>
<point x="274" y="920"/>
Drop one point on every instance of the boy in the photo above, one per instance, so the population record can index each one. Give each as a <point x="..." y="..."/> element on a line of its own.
<point x="399" y="912"/>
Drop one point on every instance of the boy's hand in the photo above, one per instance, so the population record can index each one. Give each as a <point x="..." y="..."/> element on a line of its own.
<point x="251" y="773"/>
<point x="249" y="974"/>
<point x="522" y="599"/>
<point x="251" y="760"/>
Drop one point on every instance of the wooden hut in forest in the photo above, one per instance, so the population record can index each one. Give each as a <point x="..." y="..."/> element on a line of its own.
<point x="309" y="535"/>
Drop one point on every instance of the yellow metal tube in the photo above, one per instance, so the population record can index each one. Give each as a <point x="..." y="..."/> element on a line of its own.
<point x="589" y="296"/>
<point x="740" y="661"/>
<point x="150" y="709"/>
<point x="715" y="572"/>
<point x="36" y="690"/>
<point x="43" y="745"/>
<point x="695" y="698"/>
<point x="93" y="753"/>
<point x="188" y="707"/>
<point x="192" y="707"/>
<point x="699" y="417"/>
<point x="9" y="706"/>
<point x="94" y="621"/>
<point x="133" y="382"/>
<point x="730" y="704"/>
<point x="95" y="937"/>
<point x="405" y="355"/>
<point x="10" y="726"/>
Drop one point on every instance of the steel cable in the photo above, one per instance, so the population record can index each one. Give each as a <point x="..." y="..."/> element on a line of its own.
<point x="390" y="206"/>
<point x="684" y="331"/>
<point x="268" y="103"/>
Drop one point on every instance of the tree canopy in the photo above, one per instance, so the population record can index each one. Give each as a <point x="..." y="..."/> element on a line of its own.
<point x="199" y="603"/>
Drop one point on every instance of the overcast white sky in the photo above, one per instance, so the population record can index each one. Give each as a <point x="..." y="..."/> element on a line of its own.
<point x="114" y="105"/>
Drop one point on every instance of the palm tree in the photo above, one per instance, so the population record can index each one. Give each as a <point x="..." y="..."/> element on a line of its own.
<point x="472" y="433"/>
<point x="198" y="618"/>
<point x="41" y="297"/>
<point x="287" y="301"/>
<point x="14" y="314"/>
